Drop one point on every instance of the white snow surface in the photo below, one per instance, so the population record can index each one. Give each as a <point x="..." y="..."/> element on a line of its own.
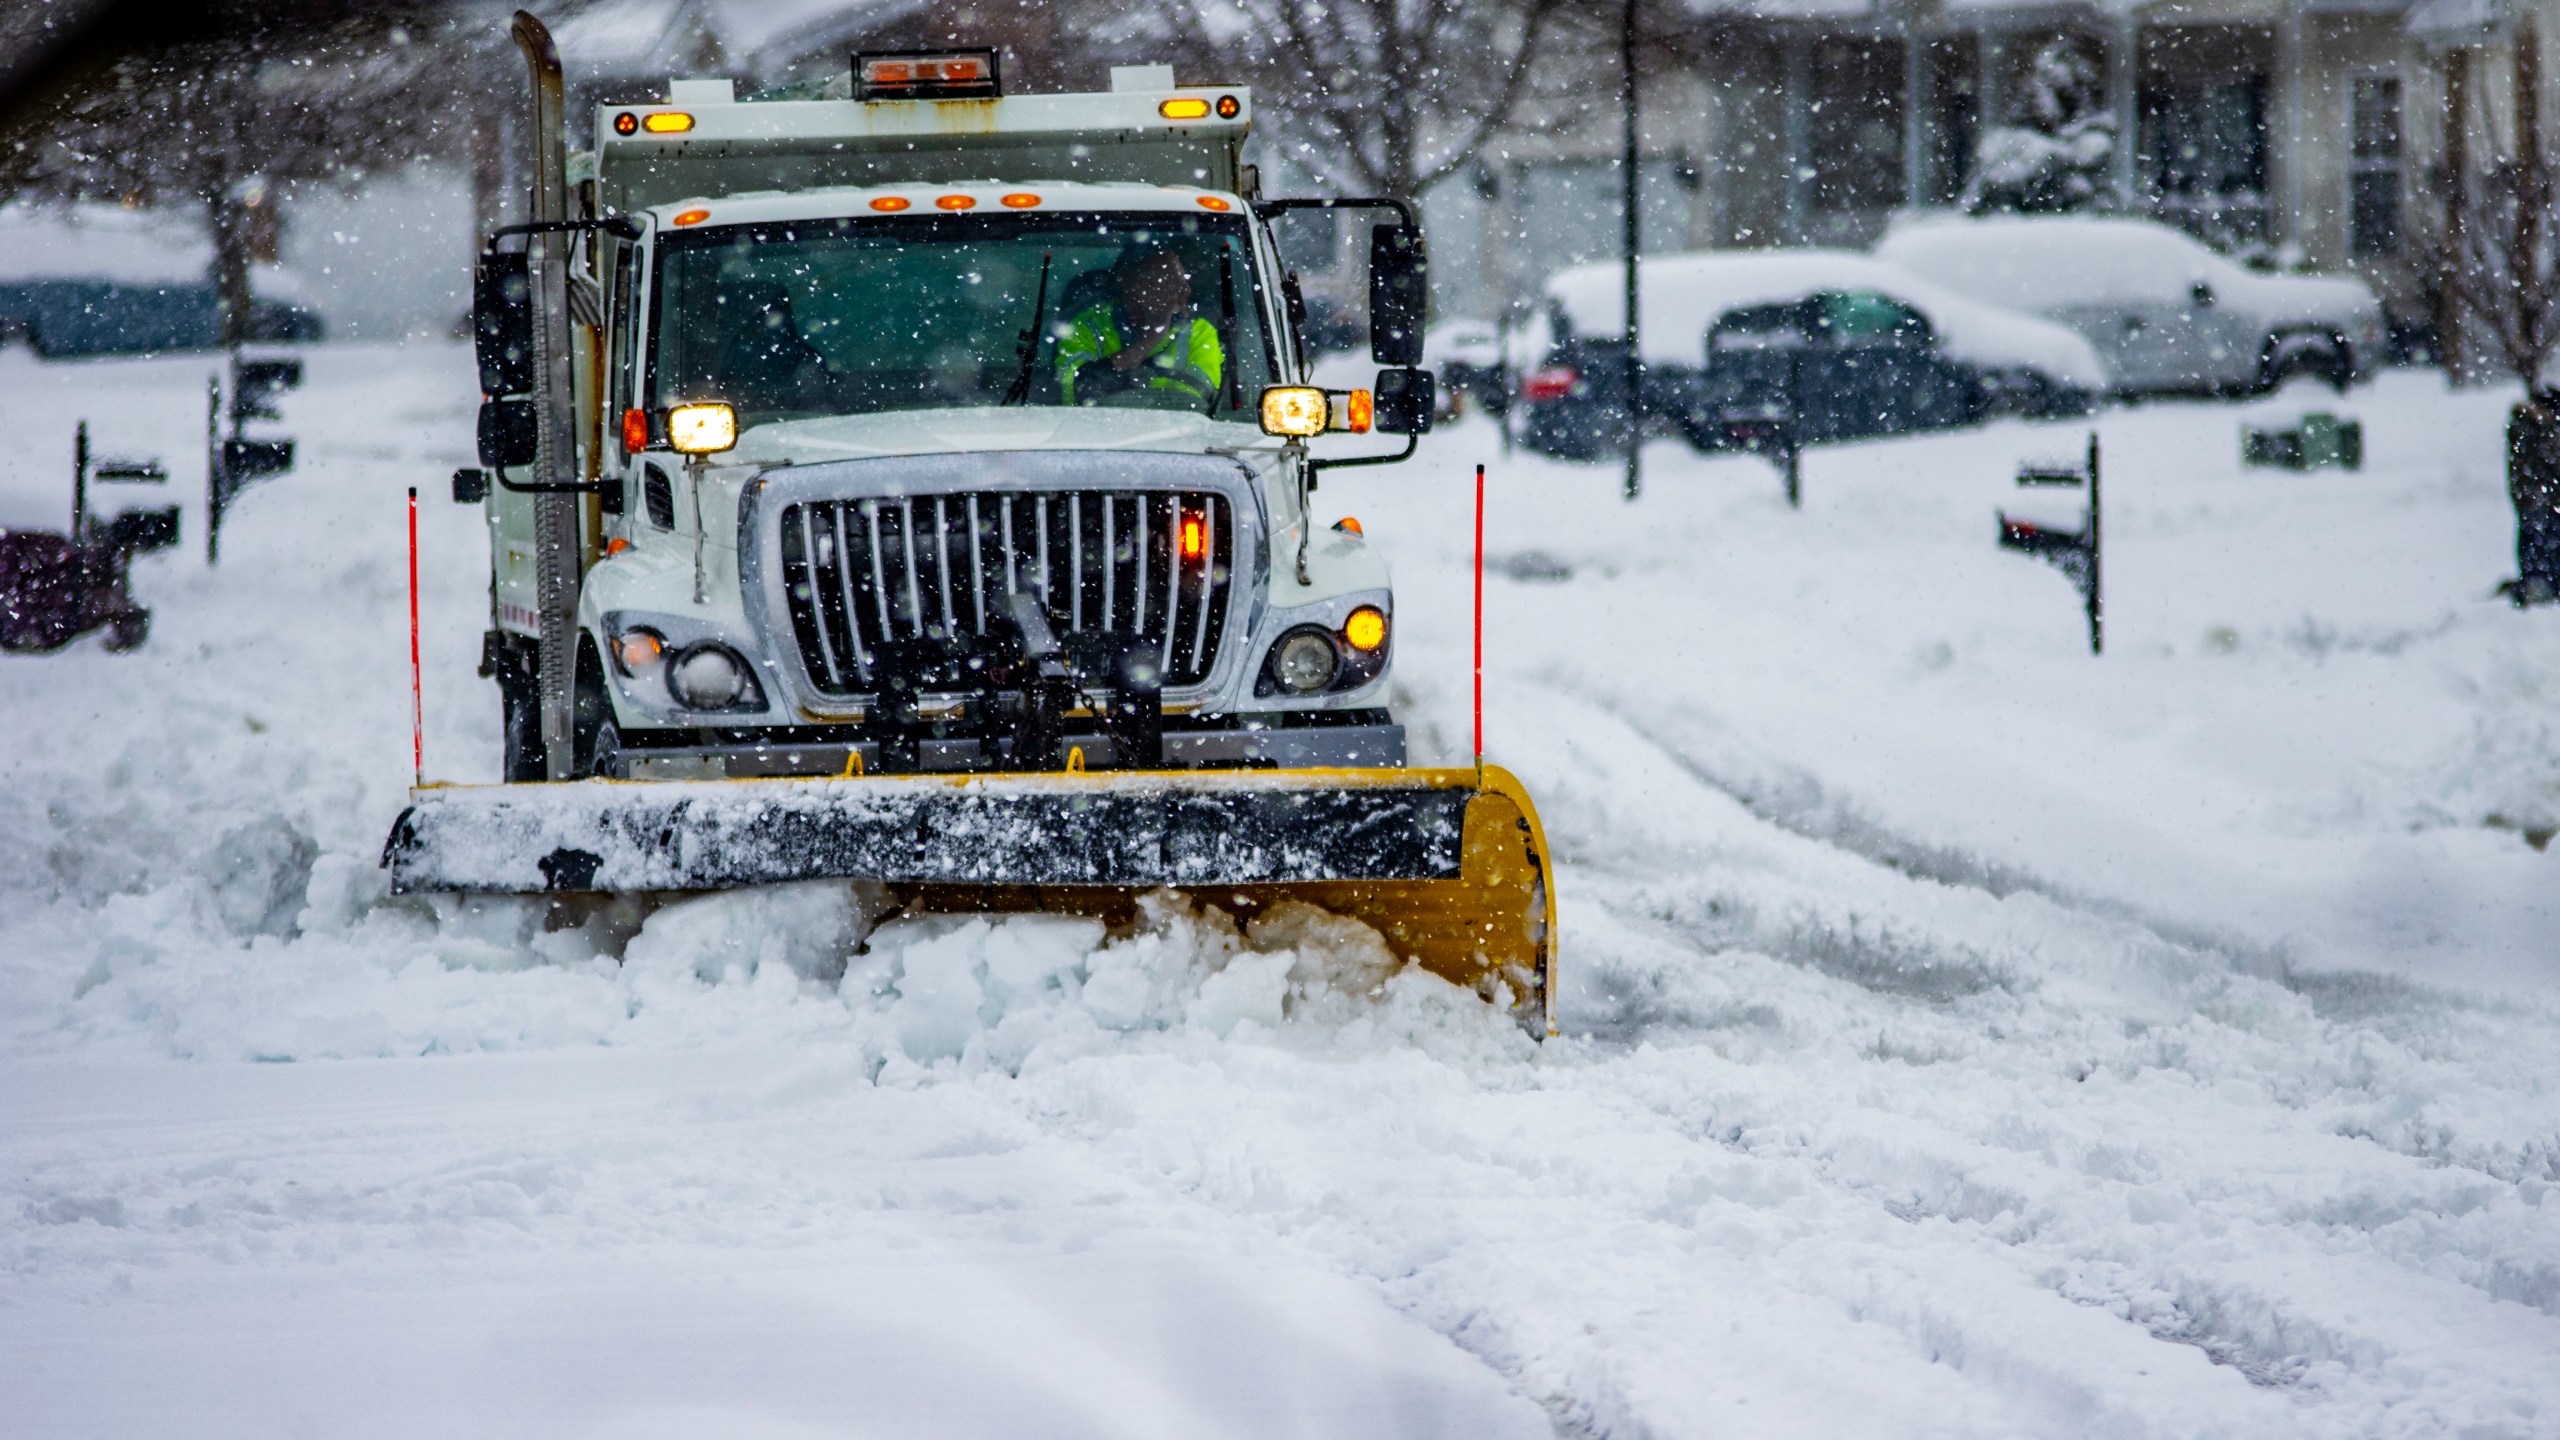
<point x="1966" y="1036"/>
<point x="1679" y="296"/>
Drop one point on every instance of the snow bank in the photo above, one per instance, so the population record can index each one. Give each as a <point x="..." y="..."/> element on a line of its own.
<point x="1685" y="294"/>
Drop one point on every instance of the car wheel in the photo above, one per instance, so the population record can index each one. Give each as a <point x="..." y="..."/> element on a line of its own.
<point x="2323" y="357"/>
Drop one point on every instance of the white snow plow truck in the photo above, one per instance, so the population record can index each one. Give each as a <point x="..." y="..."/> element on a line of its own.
<point x="911" y="487"/>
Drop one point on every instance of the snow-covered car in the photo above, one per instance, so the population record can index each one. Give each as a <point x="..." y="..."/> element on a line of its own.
<point x="2168" y="314"/>
<point x="1466" y="355"/>
<point x="1869" y="349"/>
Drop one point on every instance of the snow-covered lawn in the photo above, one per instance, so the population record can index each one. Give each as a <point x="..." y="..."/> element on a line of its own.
<point x="1968" y="1036"/>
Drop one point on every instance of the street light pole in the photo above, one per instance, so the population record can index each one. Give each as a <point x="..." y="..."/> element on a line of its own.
<point x="1630" y="221"/>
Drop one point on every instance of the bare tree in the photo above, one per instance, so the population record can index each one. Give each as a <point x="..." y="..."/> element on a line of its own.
<point x="1382" y="97"/>
<point x="2502" y="282"/>
<point x="227" y="113"/>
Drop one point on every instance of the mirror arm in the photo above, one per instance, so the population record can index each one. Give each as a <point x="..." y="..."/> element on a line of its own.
<point x="622" y="226"/>
<point x="1411" y="443"/>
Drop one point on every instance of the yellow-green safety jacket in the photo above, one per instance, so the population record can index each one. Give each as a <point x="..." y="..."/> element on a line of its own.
<point x="1188" y="360"/>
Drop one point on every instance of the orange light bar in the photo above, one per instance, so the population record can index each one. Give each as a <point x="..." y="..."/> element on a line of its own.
<point x="1195" y="537"/>
<point x="667" y="122"/>
<point x="1020" y="200"/>
<point x="938" y="75"/>
<point x="635" y="431"/>
<point x="1184" y="107"/>
<point x="955" y="202"/>
<point x="891" y="203"/>
<point x="1212" y="202"/>
<point x="691" y="217"/>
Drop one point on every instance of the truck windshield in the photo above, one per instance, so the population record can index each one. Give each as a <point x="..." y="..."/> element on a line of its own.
<point x="851" y="316"/>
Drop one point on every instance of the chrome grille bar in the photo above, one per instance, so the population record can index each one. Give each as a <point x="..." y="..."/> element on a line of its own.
<point x="849" y="590"/>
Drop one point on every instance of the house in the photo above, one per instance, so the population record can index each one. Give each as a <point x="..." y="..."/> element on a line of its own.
<point x="2310" y="132"/>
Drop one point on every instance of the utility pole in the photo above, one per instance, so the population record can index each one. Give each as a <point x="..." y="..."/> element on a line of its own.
<point x="1631" y="222"/>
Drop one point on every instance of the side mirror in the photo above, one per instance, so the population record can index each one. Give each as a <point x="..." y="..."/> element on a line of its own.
<point x="1399" y="295"/>
<point x="2202" y="295"/>
<point x="470" y="487"/>
<point x="1405" y="401"/>
<point x="502" y="326"/>
<point x="507" y="432"/>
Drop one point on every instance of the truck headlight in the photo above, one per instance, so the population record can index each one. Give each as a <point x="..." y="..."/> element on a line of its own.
<point x="709" y="677"/>
<point x="1295" y="411"/>
<point x="638" y="650"/>
<point x="703" y="429"/>
<point x="1305" y="661"/>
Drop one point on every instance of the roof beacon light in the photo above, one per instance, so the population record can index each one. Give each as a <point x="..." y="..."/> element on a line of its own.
<point x="667" y="122"/>
<point x="927" y="75"/>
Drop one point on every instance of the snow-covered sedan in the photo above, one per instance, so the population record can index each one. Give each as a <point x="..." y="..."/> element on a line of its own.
<point x="1860" y="348"/>
<point x="2168" y="314"/>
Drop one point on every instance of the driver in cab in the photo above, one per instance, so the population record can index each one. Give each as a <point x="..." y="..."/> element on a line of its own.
<point x="1147" y="341"/>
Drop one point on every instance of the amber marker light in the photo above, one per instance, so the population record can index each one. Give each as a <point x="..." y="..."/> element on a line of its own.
<point x="891" y="203"/>
<point x="1296" y="411"/>
<point x="702" y="429"/>
<point x="1229" y="107"/>
<point x="1366" y="629"/>
<point x="639" y="651"/>
<point x="692" y="217"/>
<point x="626" y="123"/>
<point x="955" y="202"/>
<point x="667" y="122"/>
<point x="1020" y="200"/>
<point x="1212" y="202"/>
<point x="1359" y="411"/>
<point x="1195" y="537"/>
<point x="1184" y="107"/>
<point x="635" y="431"/>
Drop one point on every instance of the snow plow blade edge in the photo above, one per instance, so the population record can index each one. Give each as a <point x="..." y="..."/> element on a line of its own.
<point x="1449" y="865"/>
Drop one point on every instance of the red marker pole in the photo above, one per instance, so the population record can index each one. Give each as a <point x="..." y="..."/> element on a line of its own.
<point x="417" y="689"/>
<point x="1479" y="624"/>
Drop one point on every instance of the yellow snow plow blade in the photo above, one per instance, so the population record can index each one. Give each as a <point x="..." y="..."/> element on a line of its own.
<point x="1449" y="865"/>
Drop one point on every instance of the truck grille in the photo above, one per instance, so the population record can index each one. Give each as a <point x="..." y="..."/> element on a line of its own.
<point x="1145" y="568"/>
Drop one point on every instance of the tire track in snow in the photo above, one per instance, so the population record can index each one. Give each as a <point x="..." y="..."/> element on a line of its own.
<point x="2186" y="1298"/>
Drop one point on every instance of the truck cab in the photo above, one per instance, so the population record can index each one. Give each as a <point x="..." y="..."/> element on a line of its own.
<point x="929" y="429"/>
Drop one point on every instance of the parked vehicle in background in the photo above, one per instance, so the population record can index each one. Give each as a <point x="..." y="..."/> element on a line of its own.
<point x="1850" y="345"/>
<point x="103" y="280"/>
<point x="66" y="319"/>
<point x="1466" y="358"/>
<point x="2167" y="314"/>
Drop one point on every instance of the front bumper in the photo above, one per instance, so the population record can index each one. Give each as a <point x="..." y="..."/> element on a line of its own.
<point x="1241" y="747"/>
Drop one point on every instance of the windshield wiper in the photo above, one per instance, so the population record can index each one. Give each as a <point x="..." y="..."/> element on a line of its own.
<point x="1030" y="342"/>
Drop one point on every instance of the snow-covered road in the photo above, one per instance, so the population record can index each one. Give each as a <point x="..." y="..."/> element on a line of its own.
<point x="1967" y="1037"/>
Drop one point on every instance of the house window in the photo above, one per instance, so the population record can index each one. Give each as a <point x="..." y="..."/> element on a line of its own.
<point x="2373" y="167"/>
<point x="1856" y="125"/>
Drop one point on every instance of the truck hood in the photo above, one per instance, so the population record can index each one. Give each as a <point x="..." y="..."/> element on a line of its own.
<point x="946" y="432"/>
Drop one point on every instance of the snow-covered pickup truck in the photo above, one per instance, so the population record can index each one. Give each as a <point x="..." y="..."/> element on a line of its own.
<point x="2168" y="315"/>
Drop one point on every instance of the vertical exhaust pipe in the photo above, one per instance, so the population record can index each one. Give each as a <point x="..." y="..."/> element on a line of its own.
<point x="555" y="514"/>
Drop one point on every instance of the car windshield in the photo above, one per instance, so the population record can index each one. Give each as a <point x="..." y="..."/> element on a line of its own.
<point x="853" y="316"/>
